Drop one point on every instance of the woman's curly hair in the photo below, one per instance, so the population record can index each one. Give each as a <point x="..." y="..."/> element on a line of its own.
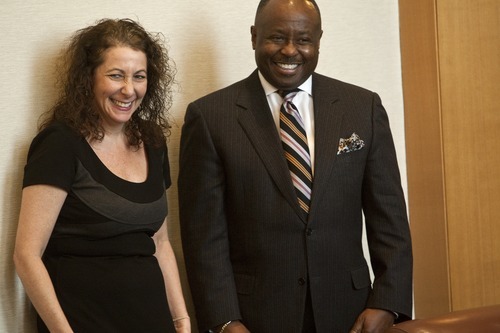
<point x="84" y="53"/>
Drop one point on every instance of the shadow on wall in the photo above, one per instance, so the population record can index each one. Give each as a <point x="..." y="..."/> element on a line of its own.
<point x="19" y="315"/>
<point x="197" y="75"/>
<point x="18" y="311"/>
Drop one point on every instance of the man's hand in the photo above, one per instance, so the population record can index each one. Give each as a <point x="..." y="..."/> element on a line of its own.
<point x="373" y="321"/>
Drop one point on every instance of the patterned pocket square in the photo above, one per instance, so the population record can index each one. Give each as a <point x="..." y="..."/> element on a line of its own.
<point x="350" y="144"/>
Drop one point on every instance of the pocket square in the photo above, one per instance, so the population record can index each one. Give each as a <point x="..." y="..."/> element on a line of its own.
<point x="350" y="144"/>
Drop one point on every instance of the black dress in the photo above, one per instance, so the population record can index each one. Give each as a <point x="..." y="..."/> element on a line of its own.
<point x="100" y="254"/>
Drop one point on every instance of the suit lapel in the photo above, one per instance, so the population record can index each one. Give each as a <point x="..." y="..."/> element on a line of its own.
<point x="327" y="123"/>
<point x="257" y="121"/>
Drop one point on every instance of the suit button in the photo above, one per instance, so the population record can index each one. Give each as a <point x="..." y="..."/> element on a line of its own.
<point x="302" y="281"/>
<point x="309" y="232"/>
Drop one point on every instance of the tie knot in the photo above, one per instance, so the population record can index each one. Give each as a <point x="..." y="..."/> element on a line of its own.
<point x="288" y="94"/>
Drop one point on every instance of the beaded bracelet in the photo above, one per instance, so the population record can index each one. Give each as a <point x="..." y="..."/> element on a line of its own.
<point x="224" y="326"/>
<point x="180" y="318"/>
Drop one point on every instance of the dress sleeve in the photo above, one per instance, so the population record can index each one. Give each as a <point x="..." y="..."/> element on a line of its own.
<point x="51" y="158"/>
<point x="166" y="168"/>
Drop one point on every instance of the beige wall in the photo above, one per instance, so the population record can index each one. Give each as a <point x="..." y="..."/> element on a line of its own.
<point x="209" y="41"/>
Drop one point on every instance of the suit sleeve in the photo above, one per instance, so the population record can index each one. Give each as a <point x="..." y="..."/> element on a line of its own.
<point x="203" y="224"/>
<point x="386" y="221"/>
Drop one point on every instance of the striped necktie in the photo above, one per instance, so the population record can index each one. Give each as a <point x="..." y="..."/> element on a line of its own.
<point x="294" y="140"/>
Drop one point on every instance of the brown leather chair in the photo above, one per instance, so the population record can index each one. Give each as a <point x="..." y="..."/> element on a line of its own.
<point x="478" y="320"/>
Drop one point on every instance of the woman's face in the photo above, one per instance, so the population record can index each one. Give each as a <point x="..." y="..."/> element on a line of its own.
<point x="120" y="84"/>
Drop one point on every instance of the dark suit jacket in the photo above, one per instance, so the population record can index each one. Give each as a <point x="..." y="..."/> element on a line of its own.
<point x="250" y="253"/>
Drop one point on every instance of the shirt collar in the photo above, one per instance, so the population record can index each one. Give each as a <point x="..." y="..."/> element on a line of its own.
<point x="269" y="88"/>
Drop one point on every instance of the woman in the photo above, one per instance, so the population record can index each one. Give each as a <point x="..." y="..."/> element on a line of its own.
<point x="92" y="247"/>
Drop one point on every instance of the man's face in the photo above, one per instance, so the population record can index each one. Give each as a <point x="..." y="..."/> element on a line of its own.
<point x="286" y="38"/>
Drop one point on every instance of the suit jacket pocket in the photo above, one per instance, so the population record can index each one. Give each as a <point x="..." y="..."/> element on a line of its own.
<point x="357" y="156"/>
<point x="244" y="283"/>
<point x="361" y="277"/>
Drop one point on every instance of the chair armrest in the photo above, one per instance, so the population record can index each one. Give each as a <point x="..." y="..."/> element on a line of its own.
<point x="482" y="319"/>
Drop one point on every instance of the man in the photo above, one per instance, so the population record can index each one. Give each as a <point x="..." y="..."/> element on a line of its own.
<point x="264" y="252"/>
